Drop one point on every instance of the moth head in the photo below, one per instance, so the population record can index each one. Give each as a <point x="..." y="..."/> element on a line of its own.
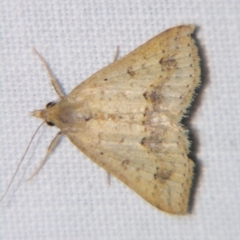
<point x="65" y="114"/>
<point x="46" y="114"/>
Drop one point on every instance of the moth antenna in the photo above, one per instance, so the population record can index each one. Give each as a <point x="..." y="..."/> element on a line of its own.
<point x="51" y="75"/>
<point x="49" y="151"/>
<point x="15" y="173"/>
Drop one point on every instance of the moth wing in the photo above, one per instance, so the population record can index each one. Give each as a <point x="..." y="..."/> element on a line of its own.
<point x="164" y="70"/>
<point x="132" y="126"/>
<point x="159" y="171"/>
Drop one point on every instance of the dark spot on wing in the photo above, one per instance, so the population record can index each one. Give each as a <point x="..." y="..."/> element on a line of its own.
<point x="130" y="71"/>
<point x="162" y="175"/>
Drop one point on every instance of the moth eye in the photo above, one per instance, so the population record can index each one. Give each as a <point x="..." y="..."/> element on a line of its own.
<point x="50" y="104"/>
<point x="50" y="124"/>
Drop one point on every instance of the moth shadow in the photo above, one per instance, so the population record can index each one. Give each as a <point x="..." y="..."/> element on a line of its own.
<point x="193" y="133"/>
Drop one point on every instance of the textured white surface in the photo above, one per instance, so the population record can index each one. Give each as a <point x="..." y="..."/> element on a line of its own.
<point x="70" y="198"/>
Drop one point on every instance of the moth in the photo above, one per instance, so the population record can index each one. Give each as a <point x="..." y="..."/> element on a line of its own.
<point x="127" y="118"/>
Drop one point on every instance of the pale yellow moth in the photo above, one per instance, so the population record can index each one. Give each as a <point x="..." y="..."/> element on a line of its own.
<point x="126" y="118"/>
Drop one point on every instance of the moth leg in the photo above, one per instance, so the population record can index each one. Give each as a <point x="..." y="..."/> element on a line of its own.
<point x="50" y="73"/>
<point x="109" y="178"/>
<point x="114" y="60"/>
<point x="116" y="55"/>
<point x="49" y="151"/>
